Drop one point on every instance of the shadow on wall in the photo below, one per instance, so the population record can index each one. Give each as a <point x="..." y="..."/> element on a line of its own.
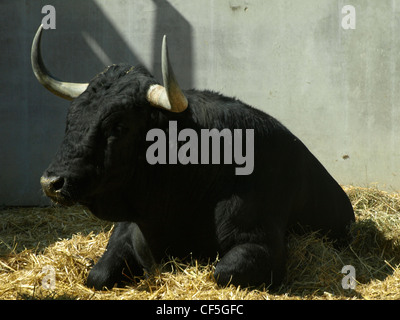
<point x="88" y="36"/>
<point x="170" y="22"/>
<point x="95" y="33"/>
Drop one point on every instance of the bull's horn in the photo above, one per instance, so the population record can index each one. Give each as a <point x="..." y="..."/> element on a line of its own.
<point x="66" y="90"/>
<point x="170" y="96"/>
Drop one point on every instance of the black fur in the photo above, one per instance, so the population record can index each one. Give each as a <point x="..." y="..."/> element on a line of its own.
<point x="200" y="209"/>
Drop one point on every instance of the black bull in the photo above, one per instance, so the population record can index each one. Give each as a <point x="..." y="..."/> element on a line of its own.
<point x="177" y="210"/>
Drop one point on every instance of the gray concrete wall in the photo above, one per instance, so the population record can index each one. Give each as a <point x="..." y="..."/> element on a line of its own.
<point x="337" y="89"/>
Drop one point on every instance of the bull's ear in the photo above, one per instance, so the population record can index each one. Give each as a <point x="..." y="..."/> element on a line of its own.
<point x="169" y="97"/>
<point x="66" y="90"/>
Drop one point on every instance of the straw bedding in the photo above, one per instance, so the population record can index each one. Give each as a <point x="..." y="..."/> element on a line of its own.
<point x="71" y="240"/>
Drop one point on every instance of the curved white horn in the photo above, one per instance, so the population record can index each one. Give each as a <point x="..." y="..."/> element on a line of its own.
<point x="169" y="97"/>
<point x="66" y="90"/>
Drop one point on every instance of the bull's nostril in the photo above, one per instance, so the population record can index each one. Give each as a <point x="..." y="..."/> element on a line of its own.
<point x="58" y="184"/>
<point x="52" y="185"/>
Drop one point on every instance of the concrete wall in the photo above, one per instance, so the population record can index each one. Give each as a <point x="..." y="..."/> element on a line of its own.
<point x="337" y="89"/>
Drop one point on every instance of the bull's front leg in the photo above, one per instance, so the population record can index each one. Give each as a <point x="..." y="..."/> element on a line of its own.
<point x="127" y="254"/>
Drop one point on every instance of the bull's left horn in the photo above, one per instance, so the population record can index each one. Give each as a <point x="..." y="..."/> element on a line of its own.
<point x="66" y="90"/>
<point x="170" y="96"/>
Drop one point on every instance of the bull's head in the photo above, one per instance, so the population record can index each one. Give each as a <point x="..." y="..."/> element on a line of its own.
<point x="100" y="123"/>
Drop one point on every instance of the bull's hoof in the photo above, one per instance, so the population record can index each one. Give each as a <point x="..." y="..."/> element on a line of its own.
<point x="100" y="279"/>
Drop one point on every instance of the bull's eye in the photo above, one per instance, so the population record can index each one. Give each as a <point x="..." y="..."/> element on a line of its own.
<point x="117" y="131"/>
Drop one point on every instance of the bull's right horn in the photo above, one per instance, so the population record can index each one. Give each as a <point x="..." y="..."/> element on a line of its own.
<point x="66" y="90"/>
<point x="170" y="96"/>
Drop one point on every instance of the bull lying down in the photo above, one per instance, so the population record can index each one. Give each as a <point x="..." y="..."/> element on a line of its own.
<point x="183" y="208"/>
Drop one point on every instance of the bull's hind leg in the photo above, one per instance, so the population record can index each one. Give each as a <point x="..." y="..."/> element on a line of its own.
<point x="250" y="265"/>
<point x="253" y="245"/>
<point x="126" y="255"/>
